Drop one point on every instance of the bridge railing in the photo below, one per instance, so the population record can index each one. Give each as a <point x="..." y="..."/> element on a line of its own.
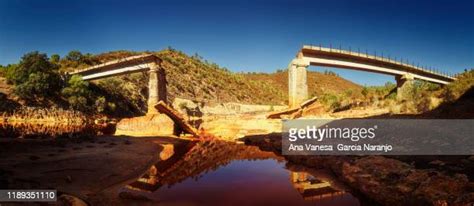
<point x="143" y="58"/>
<point x="358" y="53"/>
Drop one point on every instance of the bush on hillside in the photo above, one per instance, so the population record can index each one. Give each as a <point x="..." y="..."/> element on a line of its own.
<point x="331" y="101"/>
<point x="100" y="104"/>
<point x="372" y="94"/>
<point x="424" y="95"/>
<point x="77" y="93"/>
<point x="464" y="82"/>
<point x="76" y="60"/>
<point x="35" y="77"/>
<point x="330" y="73"/>
<point x="55" y="58"/>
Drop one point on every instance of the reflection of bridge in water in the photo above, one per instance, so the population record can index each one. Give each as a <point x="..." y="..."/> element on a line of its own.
<point x="312" y="188"/>
<point x="204" y="157"/>
<point x="201" y="158"/>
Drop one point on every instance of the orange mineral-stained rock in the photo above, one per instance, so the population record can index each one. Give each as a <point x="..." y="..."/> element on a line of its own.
<point x="167" y="152"/>
<point x="149" y="125"/>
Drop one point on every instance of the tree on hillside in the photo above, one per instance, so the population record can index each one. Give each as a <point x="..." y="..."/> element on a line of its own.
<point x="55" y="58"/>
<point x="365" y="92"/>
<point x="330" y="73"/>
<point x="35" y="76"/>
<point x="74" y="55"/>
<point x="78" y="58"/>
<point x="77" y="93"/>
<point x="8" y="72"/>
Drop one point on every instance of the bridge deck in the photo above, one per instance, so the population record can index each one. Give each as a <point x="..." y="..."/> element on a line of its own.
<point x="118" y="67"/>
<point x="321" y="56"/>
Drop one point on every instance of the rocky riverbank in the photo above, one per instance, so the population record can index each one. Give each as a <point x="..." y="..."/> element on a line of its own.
<point x="385" y="179"/>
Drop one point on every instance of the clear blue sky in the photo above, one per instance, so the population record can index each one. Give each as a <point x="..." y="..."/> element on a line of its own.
<point x="245" y="35"/>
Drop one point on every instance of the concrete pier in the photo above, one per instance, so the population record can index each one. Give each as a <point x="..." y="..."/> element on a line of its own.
<point x="297" y="82"/>
<point x="404" y="86"/>
<point x="156" y="87"/>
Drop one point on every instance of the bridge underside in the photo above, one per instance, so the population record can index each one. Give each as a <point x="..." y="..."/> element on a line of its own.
<point x="150" y="63"/>
<point x="318" y="56"/>
<point x="117" y="72"/>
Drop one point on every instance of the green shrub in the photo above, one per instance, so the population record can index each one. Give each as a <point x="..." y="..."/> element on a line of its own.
<point x="454" y="90"/>
<point x="78" y="103"/>
<point x="391" y="96"/>
<point x="35" y="77"/>
<point x="55" y="58"/>
<point x="77" y="93"/>
<point x="100" y="104"/>
<point x="331" y="101"/>
<point x="348" y="93"/>
<point x="74" y="56"/>
<point x="111" y="106"/>
<point x="365" y="92"/>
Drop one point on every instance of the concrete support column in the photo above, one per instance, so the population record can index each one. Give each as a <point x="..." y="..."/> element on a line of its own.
<point x="297" y="82"/>
<point x="404" y="86"/>
<point x="156" y="87"/>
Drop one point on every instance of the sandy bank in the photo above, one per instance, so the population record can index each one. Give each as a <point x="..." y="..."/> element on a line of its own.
<point x="82" y="168"/>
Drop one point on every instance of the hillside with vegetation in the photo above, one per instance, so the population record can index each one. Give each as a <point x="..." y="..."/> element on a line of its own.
<point x="459" y="99"/>
<point x="319" y="83"/>
<point x="39" y="80"/>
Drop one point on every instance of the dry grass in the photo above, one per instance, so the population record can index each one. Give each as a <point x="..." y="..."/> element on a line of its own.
<point x="32" y="115"/>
